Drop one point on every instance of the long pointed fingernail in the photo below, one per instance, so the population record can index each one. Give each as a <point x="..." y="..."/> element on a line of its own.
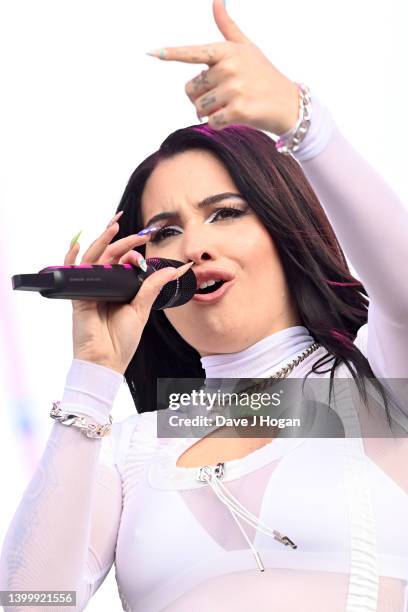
<point x="115" y="218"/>
<point x="75" y="239"/>
<point x="142" y="264"/>
<point x="147" y="230"/>
<point x="161" y="53"/>
<point x="183" y="269"/>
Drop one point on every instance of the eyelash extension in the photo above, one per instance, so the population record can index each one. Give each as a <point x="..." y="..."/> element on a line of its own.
<point x="163" y="232"/>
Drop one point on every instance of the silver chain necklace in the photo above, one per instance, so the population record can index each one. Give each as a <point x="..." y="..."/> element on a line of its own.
<point x="287" y="369"/>
<point x="282" y="373"/>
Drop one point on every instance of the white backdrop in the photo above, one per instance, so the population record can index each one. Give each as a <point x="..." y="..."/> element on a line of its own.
<point x="81" y="104"/>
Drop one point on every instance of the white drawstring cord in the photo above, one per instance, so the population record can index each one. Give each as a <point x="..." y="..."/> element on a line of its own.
<point x="237" y="509"/>
<point x="252" y="547"/>
<point x="226" y="496"/>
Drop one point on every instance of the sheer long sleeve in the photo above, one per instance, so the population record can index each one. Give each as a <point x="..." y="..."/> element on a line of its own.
<point x="371" y="224"/>
<point x="64" y="531"/>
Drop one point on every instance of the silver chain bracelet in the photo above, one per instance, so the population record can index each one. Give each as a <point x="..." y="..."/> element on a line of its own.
<point x="92" y="430"/>
<point x="291" y="143"/>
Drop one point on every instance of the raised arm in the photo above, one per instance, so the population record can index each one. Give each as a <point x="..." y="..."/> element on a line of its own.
<point x="371" y="224"/>
<point x="242" y="86"/>
<point x="64" y="531"/>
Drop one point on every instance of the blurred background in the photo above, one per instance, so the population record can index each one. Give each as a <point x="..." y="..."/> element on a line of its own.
<point x="82" y="104"/>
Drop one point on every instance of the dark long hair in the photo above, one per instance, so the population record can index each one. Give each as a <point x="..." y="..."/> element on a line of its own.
<point x="332" y="304"/>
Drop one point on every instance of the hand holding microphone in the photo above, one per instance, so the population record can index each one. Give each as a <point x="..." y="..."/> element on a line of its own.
<point x="109" y="333"/>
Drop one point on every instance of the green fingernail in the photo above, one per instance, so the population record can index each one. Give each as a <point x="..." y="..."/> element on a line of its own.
<point x="75" y="239"/>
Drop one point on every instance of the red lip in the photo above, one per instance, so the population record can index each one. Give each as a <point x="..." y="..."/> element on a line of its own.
<point x="207" y="298"/>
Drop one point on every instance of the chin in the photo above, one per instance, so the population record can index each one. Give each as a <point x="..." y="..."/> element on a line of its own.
<point x="221" y="342"/>
<point x="217" y="334"/>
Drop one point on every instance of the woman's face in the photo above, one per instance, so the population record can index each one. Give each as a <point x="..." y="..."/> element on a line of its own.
<point x="256" y="302"/>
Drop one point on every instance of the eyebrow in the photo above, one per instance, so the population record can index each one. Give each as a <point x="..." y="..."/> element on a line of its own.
<point x="208" y="201"/>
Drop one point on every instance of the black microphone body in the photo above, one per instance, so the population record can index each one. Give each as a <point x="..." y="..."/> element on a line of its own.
<point x="107" y="283"/>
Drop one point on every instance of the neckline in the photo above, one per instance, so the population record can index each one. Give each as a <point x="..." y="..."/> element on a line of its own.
<point x="261" y="358"/>
<point x="257" y="458"/>
<point x="164" y="473"/>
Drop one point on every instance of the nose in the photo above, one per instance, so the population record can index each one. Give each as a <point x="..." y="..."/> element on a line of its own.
<point x="199" y="244"/>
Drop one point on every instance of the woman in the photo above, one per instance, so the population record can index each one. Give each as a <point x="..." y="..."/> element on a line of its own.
<point x="174" y="514"/>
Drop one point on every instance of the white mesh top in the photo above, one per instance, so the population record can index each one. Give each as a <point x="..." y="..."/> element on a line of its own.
<point x="183" y="544"/>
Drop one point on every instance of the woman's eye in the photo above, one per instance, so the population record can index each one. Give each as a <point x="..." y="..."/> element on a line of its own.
<point x="165" y="232"/>
<point x="230" y="210"/>
<point x="220" y="214"/>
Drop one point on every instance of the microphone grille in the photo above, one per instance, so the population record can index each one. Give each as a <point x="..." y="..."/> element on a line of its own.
<point x="174" y="293"/>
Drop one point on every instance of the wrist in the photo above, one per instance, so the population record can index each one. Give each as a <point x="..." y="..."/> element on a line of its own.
<point x="99" y="362"/>
<point x="290" y="110"/>
<point x="99" y="383"/>
<point x="289" y="142"/>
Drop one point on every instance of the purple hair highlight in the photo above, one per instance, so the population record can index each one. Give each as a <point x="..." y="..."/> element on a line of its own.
<point x="342" y="337"/>
<point x="357" y="284"/>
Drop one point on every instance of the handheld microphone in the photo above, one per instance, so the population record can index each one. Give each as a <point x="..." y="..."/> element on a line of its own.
<point x="107" y="283"/>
